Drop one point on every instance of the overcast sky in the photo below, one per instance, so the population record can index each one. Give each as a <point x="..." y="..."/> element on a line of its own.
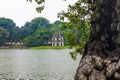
<point x="21" y="11"/>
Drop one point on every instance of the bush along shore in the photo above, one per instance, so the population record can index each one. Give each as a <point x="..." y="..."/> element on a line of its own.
<point x="51" y="47"/>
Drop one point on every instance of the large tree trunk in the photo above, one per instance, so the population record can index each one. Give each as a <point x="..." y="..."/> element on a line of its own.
<point x="101" y="59"/>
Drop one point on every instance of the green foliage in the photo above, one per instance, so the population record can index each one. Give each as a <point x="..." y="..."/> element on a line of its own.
<point x="40" y="37"/>
<point x="77" y="24"/>
<point x="30" y="27"/>
<point x="11" y="28"/>
<point x="4" y="34"/>
<point x="77" y="35"/>
<point x="35" y="33"/>
<point x="40" y="31"/>
<point x="40" y="6"/>
<point x="7" y="23"/>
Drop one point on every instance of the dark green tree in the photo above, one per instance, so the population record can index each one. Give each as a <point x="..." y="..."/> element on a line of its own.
<point x="16" y="34"/>
<point x="39" y="38"/>
<point x="30" y="27"/>
<point x="4" y="34"/>
<point x="11" y="27"/>
<point x="57" y="23"/>
<point x="26" y="30"/>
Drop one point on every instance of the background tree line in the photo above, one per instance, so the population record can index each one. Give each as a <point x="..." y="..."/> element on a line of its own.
<point x="35" y="33"/>
<point x="38" y="32"/>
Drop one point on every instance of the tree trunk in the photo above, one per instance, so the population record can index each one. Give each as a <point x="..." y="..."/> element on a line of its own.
<point x="101" y="59"/>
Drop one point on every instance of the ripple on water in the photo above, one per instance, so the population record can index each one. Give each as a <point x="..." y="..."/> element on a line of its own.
<point x="44" y="64"/>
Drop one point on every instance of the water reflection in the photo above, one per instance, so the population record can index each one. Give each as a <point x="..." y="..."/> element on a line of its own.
<point x="44" y="64"/>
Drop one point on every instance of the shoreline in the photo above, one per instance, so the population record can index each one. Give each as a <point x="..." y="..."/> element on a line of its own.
<point x="13" y="47"/>
<point x="51" y="47"/>
<point x="38" y="47"/>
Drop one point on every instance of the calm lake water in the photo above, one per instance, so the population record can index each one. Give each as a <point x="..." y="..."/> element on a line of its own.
<point x="46" y="64"/>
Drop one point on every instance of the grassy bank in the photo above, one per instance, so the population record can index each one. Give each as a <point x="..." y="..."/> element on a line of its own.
<point x="13" y="47"/>
<point x="50" y="47"/>
<point x="38" y="47"/>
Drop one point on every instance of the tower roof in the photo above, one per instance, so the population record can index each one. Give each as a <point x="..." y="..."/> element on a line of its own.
<point x="57" y="34"/>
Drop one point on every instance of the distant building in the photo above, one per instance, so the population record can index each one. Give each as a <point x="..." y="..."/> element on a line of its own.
<point x="57" y="39"/>
<point x="14" y="44"/>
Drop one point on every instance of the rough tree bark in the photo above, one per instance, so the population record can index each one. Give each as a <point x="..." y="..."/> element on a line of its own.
<point x="101" y="59"/>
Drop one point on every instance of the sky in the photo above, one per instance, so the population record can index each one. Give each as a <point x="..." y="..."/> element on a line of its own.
<point x="21" y="11"/>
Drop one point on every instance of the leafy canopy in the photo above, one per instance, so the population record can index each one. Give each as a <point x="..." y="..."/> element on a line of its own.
<point x="4" y="34"/>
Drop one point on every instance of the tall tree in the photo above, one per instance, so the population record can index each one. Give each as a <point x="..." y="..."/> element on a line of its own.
<point x="101" y="59"/>
<point x="4" y="34"/>
<point x="30" y="27"/>
<point x="39" y="38"/>
<point x="10" y="26"/>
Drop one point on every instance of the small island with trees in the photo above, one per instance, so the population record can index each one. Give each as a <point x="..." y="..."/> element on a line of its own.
<point x="38" y="32"/>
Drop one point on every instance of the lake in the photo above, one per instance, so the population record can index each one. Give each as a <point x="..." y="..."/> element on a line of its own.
<point x="44" y="64"/>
